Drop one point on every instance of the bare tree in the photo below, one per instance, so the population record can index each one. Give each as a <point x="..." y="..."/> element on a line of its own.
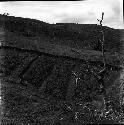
<point x="103" y="39"/>
<point x="6" y="14"/>
<point x="77" y="77"/>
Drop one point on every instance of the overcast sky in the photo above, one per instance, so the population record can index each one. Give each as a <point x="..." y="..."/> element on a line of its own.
<point x="83" y="12"/>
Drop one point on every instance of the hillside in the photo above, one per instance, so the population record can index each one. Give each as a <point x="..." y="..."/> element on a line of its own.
<point x="39" y="67"/>
<point x="71" y="40"/>
<point x="73" y="35"/>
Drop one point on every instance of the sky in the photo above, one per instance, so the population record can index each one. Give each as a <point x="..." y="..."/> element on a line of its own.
<point x="81" y="12"/>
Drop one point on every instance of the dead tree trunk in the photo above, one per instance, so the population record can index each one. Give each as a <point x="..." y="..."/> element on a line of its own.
<point x="102" y="40"/>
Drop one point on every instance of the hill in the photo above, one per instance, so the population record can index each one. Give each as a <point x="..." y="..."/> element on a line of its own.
<point x="50" y="73"/>
<point x="82" y="35"/>
<point x="73" y="40"/>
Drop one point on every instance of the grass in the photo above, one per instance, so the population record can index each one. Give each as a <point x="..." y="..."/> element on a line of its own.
<point x="57" y="57"/>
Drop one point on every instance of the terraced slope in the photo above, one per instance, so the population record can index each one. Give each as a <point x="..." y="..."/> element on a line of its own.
<point x="48" y="83"/>
<point x="30" y="79"/>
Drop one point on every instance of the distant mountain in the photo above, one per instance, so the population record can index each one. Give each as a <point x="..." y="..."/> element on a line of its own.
<point x="79" y="36"/>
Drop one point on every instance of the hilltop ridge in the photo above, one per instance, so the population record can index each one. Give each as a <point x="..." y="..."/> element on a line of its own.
<point x="74" y="35"/>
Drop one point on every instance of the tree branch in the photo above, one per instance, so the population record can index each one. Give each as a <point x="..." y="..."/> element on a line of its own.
<point x="103" y="39"/>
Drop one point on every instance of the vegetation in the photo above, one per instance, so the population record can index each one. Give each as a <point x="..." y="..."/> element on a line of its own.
<point x="85" y="35"/>
<point x="43" y="88"/>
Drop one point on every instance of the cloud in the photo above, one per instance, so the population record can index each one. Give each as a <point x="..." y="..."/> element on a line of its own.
<point x="87" y="11"/>
<point x="72" y="20"/>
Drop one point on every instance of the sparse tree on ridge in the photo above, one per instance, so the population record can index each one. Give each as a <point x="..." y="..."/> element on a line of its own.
<point x="103" y="39"/>
<point x="6" y="14"/>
